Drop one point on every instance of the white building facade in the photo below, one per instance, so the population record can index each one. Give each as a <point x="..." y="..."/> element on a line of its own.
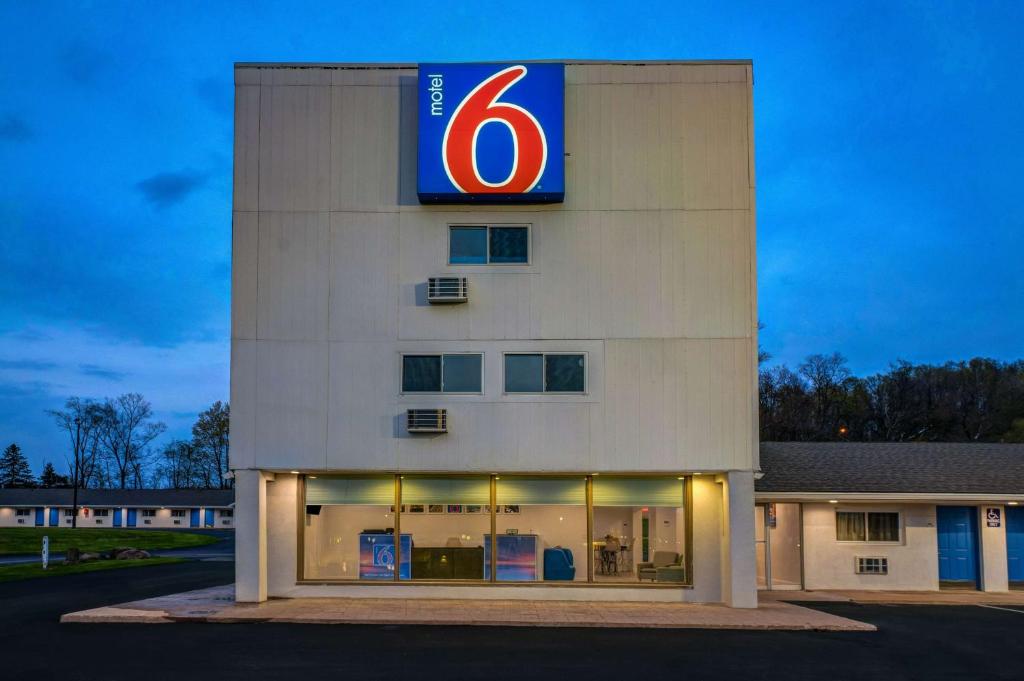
<point x="116" y="508"/>
<point x="890" y="516"/>
<point x="569" y="382"/>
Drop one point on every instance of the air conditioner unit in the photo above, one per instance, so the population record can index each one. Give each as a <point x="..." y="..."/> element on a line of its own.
<point x="447" y="290"/>
<point x="426" y="420"/>
<point x="871" y="565"/>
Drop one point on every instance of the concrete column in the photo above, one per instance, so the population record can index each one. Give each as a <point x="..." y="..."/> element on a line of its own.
<point x="994" y="569"/>
<point x="250" y="536"/>
<point x="740" y="578"/>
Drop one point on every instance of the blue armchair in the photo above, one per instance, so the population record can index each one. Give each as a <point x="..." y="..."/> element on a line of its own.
<point x="558" y="565"/>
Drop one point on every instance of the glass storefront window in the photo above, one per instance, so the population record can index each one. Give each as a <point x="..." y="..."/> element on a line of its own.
<point x="639" y="529"/>
<point x="448" y="521"/>
<point x="541" y="529"/>
<point x="349" y="529"/>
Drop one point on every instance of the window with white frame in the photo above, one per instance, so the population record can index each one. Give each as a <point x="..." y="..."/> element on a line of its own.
<point x="549" y="372"/>
<point x="227" y="513"/>
<point x="488" y="245"/>
<point x="868" y="526"/>
<point x="442" y="373"/>
<point x="69" y="512"/>
<point x="101" y="512"/>
<point x="149" y="513"/>
<point x="178" y="513"/>
<point x="23" y="512"/>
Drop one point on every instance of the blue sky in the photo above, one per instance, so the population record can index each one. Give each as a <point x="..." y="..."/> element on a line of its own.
<point x="889" y="140"/>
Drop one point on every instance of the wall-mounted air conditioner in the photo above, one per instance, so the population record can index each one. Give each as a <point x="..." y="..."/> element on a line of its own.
<point x="426" y="420"/>
<point x="871" y="565"/>
<point x="447" y="290"/>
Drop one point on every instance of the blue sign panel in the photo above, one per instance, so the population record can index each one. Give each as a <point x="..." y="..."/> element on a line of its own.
<point x="491" y="133"/>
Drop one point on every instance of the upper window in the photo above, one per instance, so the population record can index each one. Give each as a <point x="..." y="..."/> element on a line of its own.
<point x="101" y="512"/>
<point x="488" y="245"/>
<point x="545" y="373"/>
<point x="178" y="513"/>
<point x="148" y="513"/>
<point x="456" y="373"/>
<point x="867" y="526"/>
<point x="23" y="512"/>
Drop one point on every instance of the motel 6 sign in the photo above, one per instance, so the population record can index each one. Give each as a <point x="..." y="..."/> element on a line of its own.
<point x="491" y="133"/>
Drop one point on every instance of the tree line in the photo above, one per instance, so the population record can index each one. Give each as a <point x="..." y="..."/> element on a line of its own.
<point x="112" y="444"/>
<point x="980" y="400"/>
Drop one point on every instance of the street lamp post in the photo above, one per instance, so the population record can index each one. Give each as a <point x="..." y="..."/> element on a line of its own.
<point x="78" y="457"/>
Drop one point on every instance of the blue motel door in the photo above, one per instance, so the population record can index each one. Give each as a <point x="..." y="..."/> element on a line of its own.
<point x="54" y="517"/>
<point x="39" y="517"/>
<point x="1015" y="542"/>
<point x="193" y="518"/>
<point x="132" y="514"/>
<point x="958" y="543"/>
<point x="208" y="521"/>
<point x="117" y="517"/>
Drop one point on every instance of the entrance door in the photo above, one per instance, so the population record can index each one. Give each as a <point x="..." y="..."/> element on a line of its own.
<point x="777" y="534"/>
<point x="958" y="544"/>
<point x="193" y="518"/>
<point x="1015" y="543"/>
<point x="117" y="517"/>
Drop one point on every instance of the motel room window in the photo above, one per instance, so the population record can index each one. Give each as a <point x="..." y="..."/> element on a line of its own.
<point x="451" y="373"/>
<point x="447" y="520"/>
<point x="101" y="512"/>
<point x="639" y="529"/>
<point x="541" y="529"/>
<point x="178" y="513"/>
<point x="23" y="512"/>
<point x="227" y="513"/>
<point x="488" y="245"/>
<point x="868" y="526"/>
<point x="545" y="373"/>
<point x="349" y="528"/>
<point x="148" y="513"/>
<point x="69" y="512"/>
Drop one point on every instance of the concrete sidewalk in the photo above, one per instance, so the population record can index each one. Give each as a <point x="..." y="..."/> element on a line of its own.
<point x="950" y="597"/>
<point x="217" y="605"/>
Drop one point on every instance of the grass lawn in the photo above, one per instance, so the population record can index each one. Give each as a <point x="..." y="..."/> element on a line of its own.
<point x="13" y="573"/>
<point x="14" y="540"/>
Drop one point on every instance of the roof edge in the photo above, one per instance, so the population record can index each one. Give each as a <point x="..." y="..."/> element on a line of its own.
<point x="568" y="62"/>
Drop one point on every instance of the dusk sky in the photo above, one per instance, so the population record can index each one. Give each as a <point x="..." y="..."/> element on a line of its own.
<point x="889" y="143"/>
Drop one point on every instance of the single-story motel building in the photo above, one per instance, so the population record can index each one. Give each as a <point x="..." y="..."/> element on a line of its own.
<point x="129" y="508"/>
<point x="897" y="516"/>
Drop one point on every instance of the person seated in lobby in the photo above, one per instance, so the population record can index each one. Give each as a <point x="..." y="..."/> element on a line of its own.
<point x="609" y="554"/>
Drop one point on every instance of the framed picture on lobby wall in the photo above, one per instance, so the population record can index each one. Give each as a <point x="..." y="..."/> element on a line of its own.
<point x="416" y="508"/>
<point x="475" y="508"/>
<point x="435" y="508"/>
<point x="513" y="508"/>
<point x="455" y="508"/>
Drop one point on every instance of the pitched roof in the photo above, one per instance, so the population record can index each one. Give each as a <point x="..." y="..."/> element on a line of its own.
<point x="118" y="497"/>
<point x="892" y="467"/>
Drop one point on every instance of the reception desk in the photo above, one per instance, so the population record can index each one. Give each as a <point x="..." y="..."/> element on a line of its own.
<point x="447" y="562"/>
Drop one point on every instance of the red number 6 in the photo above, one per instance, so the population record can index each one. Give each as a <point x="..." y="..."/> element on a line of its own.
<point x="480" y="107"/>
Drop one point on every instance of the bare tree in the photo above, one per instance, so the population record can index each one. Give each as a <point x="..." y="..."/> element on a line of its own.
<point x="82" y="420"/>
<point x="210" y="437"/>
<point x="127" y="430"/>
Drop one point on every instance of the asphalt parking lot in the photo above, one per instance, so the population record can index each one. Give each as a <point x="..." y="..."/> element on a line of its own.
<point x="913" y="642"/>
